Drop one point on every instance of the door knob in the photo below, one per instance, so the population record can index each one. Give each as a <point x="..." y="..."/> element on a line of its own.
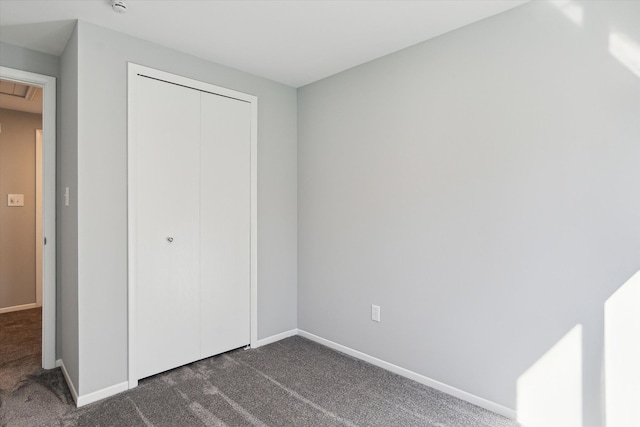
<point x="170" y="239"/>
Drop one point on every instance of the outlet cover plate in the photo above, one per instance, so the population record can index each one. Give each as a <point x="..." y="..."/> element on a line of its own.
<point x="15" y="200"/>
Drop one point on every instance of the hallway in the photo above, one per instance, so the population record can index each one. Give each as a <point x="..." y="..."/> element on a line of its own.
<point x="20" y="346"/>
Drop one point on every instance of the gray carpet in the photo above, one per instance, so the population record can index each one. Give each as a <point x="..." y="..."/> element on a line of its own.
<point x="20" y="345"/>
<point x="293" y="382"/>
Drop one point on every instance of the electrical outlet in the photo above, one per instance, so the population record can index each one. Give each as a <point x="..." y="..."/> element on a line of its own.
<point x="15" y="200"/>
<point x="375" y="313"/>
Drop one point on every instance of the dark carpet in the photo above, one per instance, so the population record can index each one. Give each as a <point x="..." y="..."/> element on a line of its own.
<point x="293" y="382"/>
<point x="20" y="345"/>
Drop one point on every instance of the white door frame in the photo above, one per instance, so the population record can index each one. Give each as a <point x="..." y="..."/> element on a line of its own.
<point x="48" y="84"/>
<point x="133" y="71"/>
<point x="39" y="236"/>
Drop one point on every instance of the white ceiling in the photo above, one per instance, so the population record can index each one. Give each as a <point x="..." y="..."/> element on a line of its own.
<point x="20" y="97"/>
<point x="292" y="42"/>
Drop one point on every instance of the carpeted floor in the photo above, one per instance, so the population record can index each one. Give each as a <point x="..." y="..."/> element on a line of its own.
<point x="293" y="382"/>
<point x="20" y="345"/>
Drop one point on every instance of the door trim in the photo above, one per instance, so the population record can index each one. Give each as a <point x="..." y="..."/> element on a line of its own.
<point x="133" y="71"/>
<point x="39" y="236"/>
<point x="48" y="85"/>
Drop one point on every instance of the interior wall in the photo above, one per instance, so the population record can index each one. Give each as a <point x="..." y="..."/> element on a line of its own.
<point x="67" y="216"/>
<point x="102" y="194"/>
<point x="29" y="60"/>
<point x="482" y="188"/>
<point x="17" y="224"/>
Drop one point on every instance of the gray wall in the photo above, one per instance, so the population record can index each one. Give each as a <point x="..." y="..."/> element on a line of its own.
<point x="17" y="224"/>
<point x="102" y="194"/>
<point x="29" y="60"/>
<point x="482" y="187"/>
<point x="67" y="216"/>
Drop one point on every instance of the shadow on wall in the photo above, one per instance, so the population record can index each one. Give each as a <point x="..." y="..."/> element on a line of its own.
<point x="551" y="391"/>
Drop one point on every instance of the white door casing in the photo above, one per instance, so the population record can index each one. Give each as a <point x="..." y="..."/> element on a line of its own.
<point x="39" y="243"/>
<point x="48" y="85"/>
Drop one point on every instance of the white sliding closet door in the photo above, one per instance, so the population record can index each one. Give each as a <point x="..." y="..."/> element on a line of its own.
<point x="225" y="212"/>
<point x="192" y="211"/>
<point x="168" y="286"/>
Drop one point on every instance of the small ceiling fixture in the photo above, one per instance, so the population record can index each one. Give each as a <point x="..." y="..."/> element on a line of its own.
<point x="119" y="6"/>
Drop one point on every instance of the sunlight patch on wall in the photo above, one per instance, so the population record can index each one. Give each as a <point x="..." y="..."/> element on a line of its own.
<point x="622" y="354"/>
<point x="571" y="10"/>
<point x="549" y="393"/>
<point x="626" y="51"/>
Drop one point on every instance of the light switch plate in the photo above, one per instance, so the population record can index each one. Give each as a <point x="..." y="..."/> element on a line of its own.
<point x="375" y="313"/>
<point x="15" y="200"/>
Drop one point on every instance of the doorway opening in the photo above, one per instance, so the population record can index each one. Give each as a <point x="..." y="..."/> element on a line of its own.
<point x="27" y="224"/>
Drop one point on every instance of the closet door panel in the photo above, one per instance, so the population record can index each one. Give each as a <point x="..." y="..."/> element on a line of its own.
<point x="168" y="176"/>
<point x="225" y="212"/>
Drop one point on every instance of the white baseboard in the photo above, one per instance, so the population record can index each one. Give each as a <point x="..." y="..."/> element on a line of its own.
<point x="460" y="394"/>
<point x="72" y="389"/>
<point x="277" y="337"/>
<point x="18" y="308"/>
<point x="123" y="386"/>
<point x="91" y="397"/>
<point x="102" y="394"/>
